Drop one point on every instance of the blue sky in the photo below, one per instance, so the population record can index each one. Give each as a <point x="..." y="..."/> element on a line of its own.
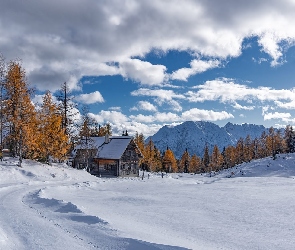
<point x="143" y="64"/>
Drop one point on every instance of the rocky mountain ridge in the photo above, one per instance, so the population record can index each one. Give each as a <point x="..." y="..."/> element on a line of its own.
<point x="194" y="136"/>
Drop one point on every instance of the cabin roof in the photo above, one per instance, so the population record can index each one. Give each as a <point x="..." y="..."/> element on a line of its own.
<point x="112" y="150"/>
<point x="115" y="148"/>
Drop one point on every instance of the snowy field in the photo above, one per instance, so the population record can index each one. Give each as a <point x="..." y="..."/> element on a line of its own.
<point x="251" y="206"/>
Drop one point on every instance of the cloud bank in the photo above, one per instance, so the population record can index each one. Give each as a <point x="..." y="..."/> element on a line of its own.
<point x="64" y="40"/>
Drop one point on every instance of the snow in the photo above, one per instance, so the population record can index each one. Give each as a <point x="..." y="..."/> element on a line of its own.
<point x="250" y="206"/>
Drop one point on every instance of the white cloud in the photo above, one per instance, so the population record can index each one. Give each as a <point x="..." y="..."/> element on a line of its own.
<point x="196" y="114"/>
<point x="161" y="94"/>
<point x="143" y="72"/>
<point x="226" y="90"/>
<point x="133" y="127"/>
<point x="143" y="118"/>
<point x="115" y="108"/>
<point x="90" y="98"/>
<point x="197" y="66"/>
<point x="145" y="105"/>
<point x="238" y="106"/>
<point x="109" y="116"/>
<point x="175" y="106"/>
<point x="276" y="115"/>
<point x="166" y="117"/>
<point x="287" y="105"/>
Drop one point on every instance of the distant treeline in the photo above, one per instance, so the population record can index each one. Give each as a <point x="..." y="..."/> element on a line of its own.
<point x="246" y="149"/>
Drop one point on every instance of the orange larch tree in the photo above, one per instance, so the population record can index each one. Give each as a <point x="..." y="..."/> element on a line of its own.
<point x="19" y="110"/>
<point x="169" y="161"/>
<point x="184" y="162"/>
<point x="52" y="139"/>
<point x="195" y="164"/>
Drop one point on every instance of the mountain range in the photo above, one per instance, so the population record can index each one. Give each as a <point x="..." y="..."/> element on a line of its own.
<point x="194" y="136"/>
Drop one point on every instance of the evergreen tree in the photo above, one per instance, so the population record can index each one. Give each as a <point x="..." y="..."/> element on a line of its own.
<point x="289" y="137"/>
<point x="67" y="108"/>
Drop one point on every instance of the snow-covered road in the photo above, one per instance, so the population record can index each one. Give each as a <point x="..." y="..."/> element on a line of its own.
<point x="27" y="228"/>
<point x="28" y="221"/>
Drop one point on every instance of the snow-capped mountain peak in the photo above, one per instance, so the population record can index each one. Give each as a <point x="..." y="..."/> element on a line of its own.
<point x="194" y="136"/>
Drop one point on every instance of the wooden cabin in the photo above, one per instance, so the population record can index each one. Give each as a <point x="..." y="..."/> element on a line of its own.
<point x="109" y="156"/>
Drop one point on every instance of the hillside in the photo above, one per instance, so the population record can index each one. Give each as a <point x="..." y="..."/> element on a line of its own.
<point x="57" y="207"/>
<point x="193" y="136"/>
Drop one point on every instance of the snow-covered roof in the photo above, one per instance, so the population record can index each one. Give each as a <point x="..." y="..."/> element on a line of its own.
<point x="115" y="148"/>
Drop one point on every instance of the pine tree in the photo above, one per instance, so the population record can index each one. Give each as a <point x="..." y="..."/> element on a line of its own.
<point x="169" y="161"/>
<point x="67" y="108"/>
<point x="289" y="137"/>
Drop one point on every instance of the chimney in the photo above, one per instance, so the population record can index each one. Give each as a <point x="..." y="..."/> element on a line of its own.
<point x="107" y="138"/>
